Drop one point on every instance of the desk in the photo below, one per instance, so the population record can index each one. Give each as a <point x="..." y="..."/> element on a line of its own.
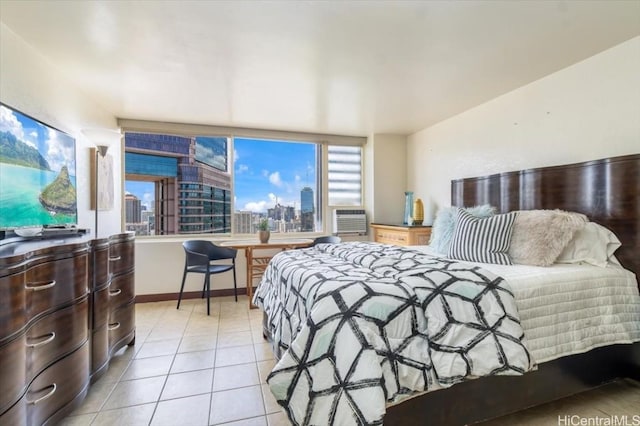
<point x="256" y="265"/>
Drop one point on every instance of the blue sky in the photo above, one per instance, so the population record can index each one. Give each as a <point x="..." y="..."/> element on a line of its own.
<point x="265" y="170"/>
<point x="56" y="147"/>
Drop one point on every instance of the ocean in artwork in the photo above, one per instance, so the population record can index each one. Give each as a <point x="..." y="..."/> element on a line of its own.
<point x="19" y="204"/>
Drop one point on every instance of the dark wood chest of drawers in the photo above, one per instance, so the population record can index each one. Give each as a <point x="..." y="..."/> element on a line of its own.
<point x="66" y="306"/>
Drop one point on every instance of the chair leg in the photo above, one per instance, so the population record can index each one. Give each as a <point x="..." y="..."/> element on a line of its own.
<point x="235" y="285"/>
<point x="204" y="287"/>
<point x="184" y="276"/>
<point x="207" y="286"/>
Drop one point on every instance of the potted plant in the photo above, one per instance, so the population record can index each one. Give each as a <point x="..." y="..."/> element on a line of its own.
<point x="263" y="231"/>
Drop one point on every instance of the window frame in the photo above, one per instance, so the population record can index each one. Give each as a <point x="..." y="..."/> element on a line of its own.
<point x="322" y="177"/>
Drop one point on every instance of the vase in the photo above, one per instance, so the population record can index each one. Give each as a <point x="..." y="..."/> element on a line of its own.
<point x="264" y="236"/>
<point x="418" y="212"/>
<point x="408" y="207"/>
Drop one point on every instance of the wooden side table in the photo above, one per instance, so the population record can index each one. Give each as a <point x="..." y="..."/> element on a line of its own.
<point x="256" y="265"/>
<point x="401" y="235"/>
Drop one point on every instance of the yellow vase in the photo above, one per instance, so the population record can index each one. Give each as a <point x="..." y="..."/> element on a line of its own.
<point x="418" y="212"/>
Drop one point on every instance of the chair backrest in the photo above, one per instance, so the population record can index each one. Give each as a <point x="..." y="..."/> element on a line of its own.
<point x="329" y="239"/>
<point x="201" y="252"/>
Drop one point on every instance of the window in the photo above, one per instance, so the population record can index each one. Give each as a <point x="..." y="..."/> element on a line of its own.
<point x="345" y="175"/>
<point x="185" y="179"/>
<point x="276" y="180"/>
<point x="188" y="180"/>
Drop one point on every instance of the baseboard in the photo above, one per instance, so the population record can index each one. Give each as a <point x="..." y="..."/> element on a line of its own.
<point x="160" y="297"/>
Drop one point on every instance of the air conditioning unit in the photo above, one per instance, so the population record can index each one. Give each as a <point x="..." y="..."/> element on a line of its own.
<point x="349" y="221"/>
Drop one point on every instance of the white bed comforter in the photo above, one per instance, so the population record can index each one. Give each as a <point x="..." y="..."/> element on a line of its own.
<point x="568" y="309"/>
<point x="363" y="324"/>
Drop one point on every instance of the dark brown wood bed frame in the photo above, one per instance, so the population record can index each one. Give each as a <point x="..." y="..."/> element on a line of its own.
<point x="608" y="192"/>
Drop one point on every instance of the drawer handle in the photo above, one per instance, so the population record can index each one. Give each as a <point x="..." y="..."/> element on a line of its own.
<point x="42" y="398"/>
<point x="114" y="326"/>
<point x="115" y="292"/>
<point x="40" y="287"/>
<point x="115" y="259"/>
<point x="49" y="338"/>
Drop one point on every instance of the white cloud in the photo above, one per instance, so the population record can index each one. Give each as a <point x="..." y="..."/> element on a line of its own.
<point x="60" y="152"/>
<point x="147" y="200"/>
<point x="242" y="168"/>
<point x="265" y="173"/>
<point x="256" y="207"/>
<point x="275" y="179"/>
<point x="236" y="156"/>
<point x="273" y="197"/>
<point x="9" y="123"/>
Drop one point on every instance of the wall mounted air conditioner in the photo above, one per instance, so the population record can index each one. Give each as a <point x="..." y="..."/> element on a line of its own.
<point x="349" y="221"/>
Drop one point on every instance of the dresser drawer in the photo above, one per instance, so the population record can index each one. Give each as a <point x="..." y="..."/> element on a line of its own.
<point x="392" y="237"/>
<point x="121" y="291"/>
<point x="100" y="300"/>
<point x="121" y="324"/>
<point x="12" y="302"/>
<point x="99" y="351"/>
<point x="121" y="257"/>
<point x="99" y="264"/>
<point x="45" y="341"/>
<point x="54" y="388"/>
<point x="401" y="235"/>
<point x="52" y="284"/>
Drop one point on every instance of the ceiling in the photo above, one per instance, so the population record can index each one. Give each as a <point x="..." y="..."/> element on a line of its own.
<point x="337" y="67"/>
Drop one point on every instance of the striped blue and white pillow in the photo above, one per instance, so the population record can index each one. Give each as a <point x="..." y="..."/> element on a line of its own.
<point x="482" y="240"/>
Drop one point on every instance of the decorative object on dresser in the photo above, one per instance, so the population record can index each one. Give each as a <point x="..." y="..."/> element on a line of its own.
<point x="418" y="212"/>
<point x="401" y="235"/>
<point x="50" y="310"/>
<point x="408" y="208"/>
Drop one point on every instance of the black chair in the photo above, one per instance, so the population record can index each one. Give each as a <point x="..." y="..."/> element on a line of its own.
<point x="330" y="239"/>
<point x="199" y="255"/>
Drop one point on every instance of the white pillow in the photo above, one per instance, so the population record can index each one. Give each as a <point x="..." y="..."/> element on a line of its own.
<point x="593" y="244"/>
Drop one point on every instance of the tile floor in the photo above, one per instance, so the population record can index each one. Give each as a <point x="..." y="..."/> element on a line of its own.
<point x="188" y="368"/>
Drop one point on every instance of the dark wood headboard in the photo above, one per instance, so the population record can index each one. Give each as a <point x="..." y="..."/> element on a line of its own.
<point x="607" y="191"/>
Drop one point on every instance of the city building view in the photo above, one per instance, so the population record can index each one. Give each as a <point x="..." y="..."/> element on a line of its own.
<point x="182" y="185"/>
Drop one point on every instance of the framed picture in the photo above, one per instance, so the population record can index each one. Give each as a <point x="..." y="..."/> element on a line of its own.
<point x="104" y="179"/>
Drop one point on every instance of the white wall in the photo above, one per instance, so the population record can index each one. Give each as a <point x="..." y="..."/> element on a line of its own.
<point x="32" y="85"/>
<point x="587" y="111"/>
<point x="385" y="177"/>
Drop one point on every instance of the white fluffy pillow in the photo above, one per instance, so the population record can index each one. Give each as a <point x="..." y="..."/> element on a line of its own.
<point x="539" y="236"/>
<point x="593" y="244"/>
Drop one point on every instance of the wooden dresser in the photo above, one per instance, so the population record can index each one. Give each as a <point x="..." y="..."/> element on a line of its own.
<point x="112" y="322"/>
<point x="401" y="235"/>
<point x="49" y="303"/>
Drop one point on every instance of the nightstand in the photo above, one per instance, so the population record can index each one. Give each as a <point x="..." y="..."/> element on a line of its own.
<point x="401" y="235"/>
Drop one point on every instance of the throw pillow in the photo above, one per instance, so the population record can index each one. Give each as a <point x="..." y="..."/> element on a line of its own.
<point x="445" y="222"/>
<point x="539" y="236"/>
<point x="482" y="240"/>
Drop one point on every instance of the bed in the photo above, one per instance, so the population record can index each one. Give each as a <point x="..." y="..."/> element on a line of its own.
<point x="607" y="191"/>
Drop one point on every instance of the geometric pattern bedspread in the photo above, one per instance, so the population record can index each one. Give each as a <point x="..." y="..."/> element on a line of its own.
<point x="362" y="324"/>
